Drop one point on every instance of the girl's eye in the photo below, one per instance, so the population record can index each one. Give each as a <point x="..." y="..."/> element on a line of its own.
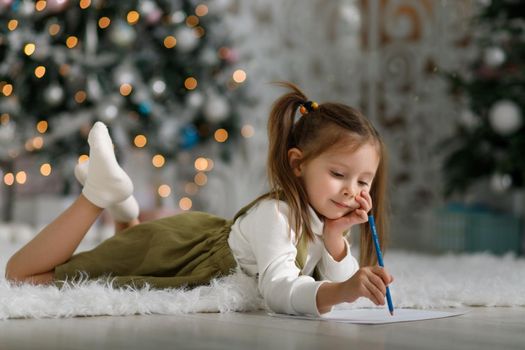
<point x="336" y="174"/>
<point x="362" y="183"/>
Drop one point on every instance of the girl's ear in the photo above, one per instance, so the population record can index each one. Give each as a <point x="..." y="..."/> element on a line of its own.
<point x="295" y="156"/>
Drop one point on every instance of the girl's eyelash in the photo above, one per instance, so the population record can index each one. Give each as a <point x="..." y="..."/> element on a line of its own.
<point x="335" y="173"/>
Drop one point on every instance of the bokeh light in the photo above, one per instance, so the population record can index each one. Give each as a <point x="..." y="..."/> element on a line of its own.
<point x="185" y="203"/>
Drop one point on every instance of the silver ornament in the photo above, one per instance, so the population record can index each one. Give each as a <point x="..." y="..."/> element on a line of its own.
<point x="505" y="117"/>
<point x="494" y="56"/>
<point x="209" y="57"/>
<point x="123" y="34"/>
<point x="500" y="182"/>
<point x="168" y="133"/>
<point x="147" y="7"/>
<point x="54" y="95"/>
<point x="158" y="87"/>
<point x="150" y="11"/>
<point x="94" y="89"/>
<point x="195" y="99"/>
<point x="125" y="74"/>
<point x="7" y="133"/>
<point x="216" y="108"/>
<point x="178" y="17"/>
<point x="27" y="8"/>
<point x="469" y="119"/>
<point x="187" y="39"/>
<point x="109" y="109"/>
<point x="107" y="112"/>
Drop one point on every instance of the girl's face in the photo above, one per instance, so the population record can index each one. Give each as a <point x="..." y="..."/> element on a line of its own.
<point x="333" y="179"/>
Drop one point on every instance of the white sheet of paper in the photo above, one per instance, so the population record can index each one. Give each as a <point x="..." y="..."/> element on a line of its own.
<point x="376" y="316"/>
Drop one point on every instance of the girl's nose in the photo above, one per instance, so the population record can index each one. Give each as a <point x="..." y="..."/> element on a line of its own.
<point x="348" y="192"/>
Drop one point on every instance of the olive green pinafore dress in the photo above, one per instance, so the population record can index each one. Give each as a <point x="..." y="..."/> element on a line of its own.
<point x="185" y="250"/>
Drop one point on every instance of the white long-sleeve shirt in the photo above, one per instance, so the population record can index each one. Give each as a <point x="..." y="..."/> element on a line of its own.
<point x="262" y="246"/>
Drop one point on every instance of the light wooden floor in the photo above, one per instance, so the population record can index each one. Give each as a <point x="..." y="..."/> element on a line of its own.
<point x="481" y="328"/>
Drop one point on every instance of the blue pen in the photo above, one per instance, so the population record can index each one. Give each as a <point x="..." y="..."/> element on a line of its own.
<point x="380" y="260"/>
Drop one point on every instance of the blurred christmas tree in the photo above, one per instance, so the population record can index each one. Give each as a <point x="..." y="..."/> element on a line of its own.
<point x="489" y="141"/>
<point x="160" y="73"/>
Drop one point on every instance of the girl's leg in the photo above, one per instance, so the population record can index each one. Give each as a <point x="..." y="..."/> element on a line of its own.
<point x="55" y="244"/>
<point x="125" y="213"/>
<point x="44" y="251"/>
<point x="106" y="184"/>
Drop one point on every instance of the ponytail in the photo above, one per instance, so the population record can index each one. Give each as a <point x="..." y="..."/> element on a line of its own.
<point x="282" y="180"/>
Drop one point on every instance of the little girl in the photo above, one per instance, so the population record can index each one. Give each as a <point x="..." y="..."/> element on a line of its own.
<point x="326" y="172"/>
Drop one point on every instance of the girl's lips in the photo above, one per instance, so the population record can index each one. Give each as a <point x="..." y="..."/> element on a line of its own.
<point x="340" y="205"/>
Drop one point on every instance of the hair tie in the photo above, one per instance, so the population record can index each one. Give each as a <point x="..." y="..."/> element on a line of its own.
<point x="308" y="106"/>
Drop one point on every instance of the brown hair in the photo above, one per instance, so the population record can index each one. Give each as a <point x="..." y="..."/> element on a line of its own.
<point x="327" y="126"/>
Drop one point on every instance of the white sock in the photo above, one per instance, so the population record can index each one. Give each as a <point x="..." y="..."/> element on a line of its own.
<point x="106" y="183"/>
<point x="124" y="211"/>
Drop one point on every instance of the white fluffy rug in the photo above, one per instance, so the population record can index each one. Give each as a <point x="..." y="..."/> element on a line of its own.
<point x="421" y="281"/>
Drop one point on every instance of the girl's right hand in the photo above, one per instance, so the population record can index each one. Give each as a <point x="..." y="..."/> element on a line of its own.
<point x="369" y="282"/>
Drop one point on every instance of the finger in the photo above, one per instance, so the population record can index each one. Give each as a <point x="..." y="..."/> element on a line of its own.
<point x="383" y="274"/>
<point x="391" y="280"/>
<point x="362" y="214"/>
<point x="378" y="283"/>
<point x="367" y="197"/>
<point x="357" y="217"/>
<point x="374" y="294"/>
<point x="369" y="293"/>
<point x="361" y="200"/>
<point x="363" y="204"/>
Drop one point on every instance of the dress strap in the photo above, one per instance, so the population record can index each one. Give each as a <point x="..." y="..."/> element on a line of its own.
<point x="302" y="251"/>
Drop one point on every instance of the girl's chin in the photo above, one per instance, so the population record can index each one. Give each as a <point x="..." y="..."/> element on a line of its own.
<point x="335" y="216"/>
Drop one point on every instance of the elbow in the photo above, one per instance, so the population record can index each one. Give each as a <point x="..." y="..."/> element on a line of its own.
<point x="11" y="274"/>
<point x="325" y="310"/>
<point x="8" y="272"/>
<point x="276" y="299"/>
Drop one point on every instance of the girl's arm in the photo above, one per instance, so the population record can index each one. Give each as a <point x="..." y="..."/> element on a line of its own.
<point x="332" y="269"/>
<point x="328" y="295"/>
<point x="335" y="245"/>
<point x="369" y="282"/>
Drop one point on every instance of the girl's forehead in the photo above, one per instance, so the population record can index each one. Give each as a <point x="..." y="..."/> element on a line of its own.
<point x="336" y="151"/>
<point x="364" y="158"/>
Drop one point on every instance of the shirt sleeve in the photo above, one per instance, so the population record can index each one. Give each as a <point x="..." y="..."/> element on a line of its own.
<point x="283" y="290"/>
<point x="337" y="271"/>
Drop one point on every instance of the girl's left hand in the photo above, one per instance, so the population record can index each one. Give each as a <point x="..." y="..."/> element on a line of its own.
<point x="356" y="216"/>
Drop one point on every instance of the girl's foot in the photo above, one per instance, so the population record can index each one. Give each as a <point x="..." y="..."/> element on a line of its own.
<point x="106" y="183"/>
<point x="125" y="211"/>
